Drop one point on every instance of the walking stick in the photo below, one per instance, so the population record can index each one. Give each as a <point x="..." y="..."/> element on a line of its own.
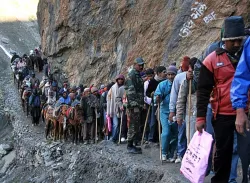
<point x="159" y="129"/>
<point x="120" y="132"/>
<point x="95" y="125"/>
<point x="145" y="125"/>
<point x="189" y="110"/>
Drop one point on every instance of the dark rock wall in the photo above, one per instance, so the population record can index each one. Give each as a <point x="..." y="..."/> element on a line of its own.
<point x="90" y="41"/>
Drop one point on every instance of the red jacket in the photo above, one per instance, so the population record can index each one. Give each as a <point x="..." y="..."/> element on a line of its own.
<point x="215" y="80"/>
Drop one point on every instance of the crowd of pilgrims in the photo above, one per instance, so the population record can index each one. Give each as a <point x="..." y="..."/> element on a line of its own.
<point x="151" y="106"/>
<point x="104" y="106"/>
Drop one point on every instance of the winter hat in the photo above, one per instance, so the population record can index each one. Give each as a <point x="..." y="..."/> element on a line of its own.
<point x="149" y="71"/>
<point x="234" y="28"/>
<point x="86" y="90"/>
<point x="120" y="76"/>
<point x="94" y="89"/>
<point x="160" y="69"/>
<point x="172" y="69"/>
<point x="185" y="63"/>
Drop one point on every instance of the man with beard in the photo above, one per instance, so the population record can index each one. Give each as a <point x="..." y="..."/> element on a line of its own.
<point x="216" y="75"/>
<point x="135" y="99"/>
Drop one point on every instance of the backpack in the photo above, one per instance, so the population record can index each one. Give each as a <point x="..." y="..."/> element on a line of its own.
<point x="36" y="102"/>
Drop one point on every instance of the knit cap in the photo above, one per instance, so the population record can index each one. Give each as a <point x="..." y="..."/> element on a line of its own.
<point x="172" y="70"/>
<point x="185" y="63"/>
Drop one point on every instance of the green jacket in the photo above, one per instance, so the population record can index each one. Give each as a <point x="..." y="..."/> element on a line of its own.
<point x="134" y="89"/>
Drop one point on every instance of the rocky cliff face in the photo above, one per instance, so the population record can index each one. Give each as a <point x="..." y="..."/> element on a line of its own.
<point x="90" y="41"/>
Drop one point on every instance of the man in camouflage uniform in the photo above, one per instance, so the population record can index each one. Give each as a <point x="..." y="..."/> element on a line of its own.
<point x="135" y="99"/>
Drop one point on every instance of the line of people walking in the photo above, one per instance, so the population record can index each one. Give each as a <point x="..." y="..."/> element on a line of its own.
<point x="209" y="93"/>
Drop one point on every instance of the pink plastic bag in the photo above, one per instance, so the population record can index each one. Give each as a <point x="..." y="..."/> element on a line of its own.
<point x="195" y="161"/>
<point x="109" y="123"/>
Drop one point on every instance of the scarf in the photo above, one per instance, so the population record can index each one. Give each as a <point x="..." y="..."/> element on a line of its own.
<point x="158" y="78"/>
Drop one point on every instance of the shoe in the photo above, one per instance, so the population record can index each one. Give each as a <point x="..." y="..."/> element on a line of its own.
<point x="85" y="142"/>
<point x="163" y="157"/>
<point x="133" y="150"/>
<point x="178" y="160"/>
<point x="123" y="139"/>
<point x="172" y="160"/>
<point x="138" y="148"/>
<point x="92" y="141"/>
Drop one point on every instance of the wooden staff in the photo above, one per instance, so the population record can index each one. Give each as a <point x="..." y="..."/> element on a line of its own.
<point x="120" y="132"/>
<point x="159" y="129"/>
<point x="145" y="125"/>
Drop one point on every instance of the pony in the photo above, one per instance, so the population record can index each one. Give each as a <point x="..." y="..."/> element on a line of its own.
<point x="75" y="119"/>
<point x="62" y="121"/>
<point x="50" y="120"/>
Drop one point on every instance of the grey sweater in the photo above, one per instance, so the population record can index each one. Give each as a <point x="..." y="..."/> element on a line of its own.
<point x="179" y="78"/>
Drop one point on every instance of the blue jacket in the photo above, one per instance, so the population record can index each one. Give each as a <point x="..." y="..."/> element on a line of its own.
<point x="65" y="101"/>
<point x="241" y="81"/>
<point x="163" y="90"/>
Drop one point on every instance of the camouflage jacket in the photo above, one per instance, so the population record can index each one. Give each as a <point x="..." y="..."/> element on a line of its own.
<point x="134" y="88"/>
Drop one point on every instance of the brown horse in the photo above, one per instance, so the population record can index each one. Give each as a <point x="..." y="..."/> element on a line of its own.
<point x="75" y="118"/>
<point x="50" y="122"/>
<point x="62" y="121"/>
<point x="25" y="100"/>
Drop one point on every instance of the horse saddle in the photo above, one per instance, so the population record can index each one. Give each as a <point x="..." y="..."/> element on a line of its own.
<point x="70" y="113"/>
